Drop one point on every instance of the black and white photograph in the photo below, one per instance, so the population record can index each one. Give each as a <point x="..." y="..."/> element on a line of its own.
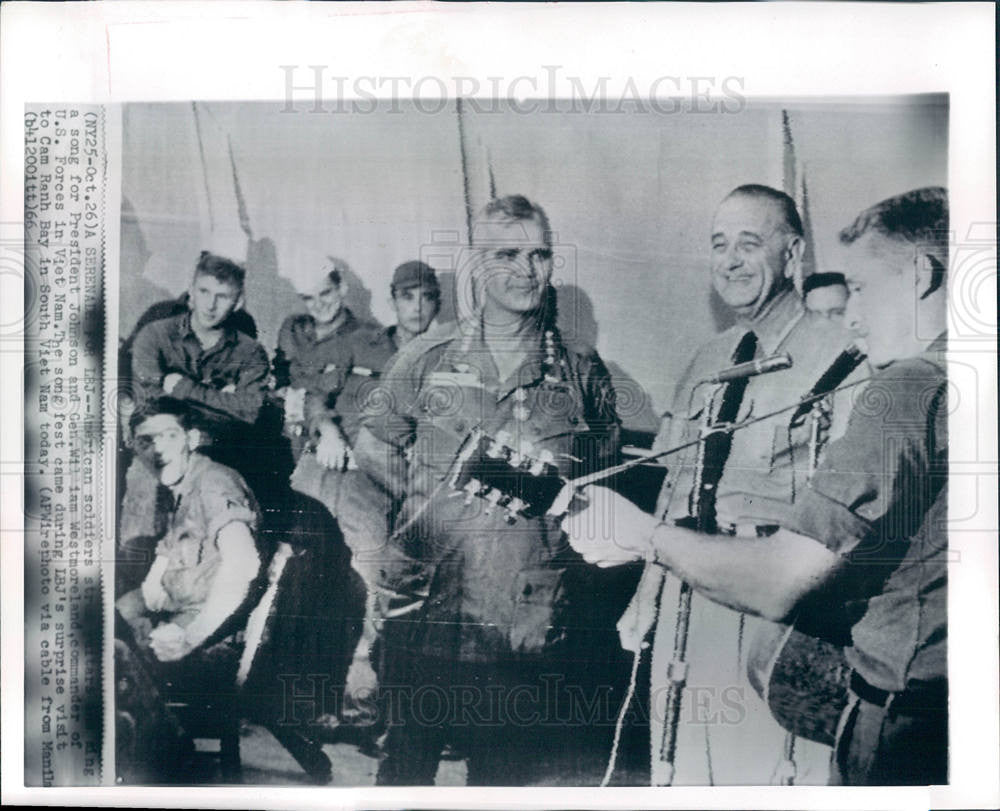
<point x="364" y="353"/>
<point x="428" y="433"/>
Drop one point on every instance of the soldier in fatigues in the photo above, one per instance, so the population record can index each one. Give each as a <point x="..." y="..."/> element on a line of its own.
<point x="484" y="605"/>
<point x="328" y="364"/>
<point x="749" y="484"/>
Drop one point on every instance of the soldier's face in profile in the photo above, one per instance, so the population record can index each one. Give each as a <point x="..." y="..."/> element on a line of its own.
<point x="416" y="307"/>
<point x="165" y="447"/>
<point x="212" y="301"/>
<point x="516" y="265"/>
<point x="882" y="301"/>
<point x="749" y="252"/>
<point x="323" y="299"/>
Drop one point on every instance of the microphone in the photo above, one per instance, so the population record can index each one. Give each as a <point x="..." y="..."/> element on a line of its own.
<point x="772" y="363"/>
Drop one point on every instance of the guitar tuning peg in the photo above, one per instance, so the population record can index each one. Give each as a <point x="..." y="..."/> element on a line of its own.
<point x="492" y="497"/>
<point x="544" y="458"/>
<point x="472" y="487"/>
<point x="516" y="505"/>
<point x="499" y="446"/>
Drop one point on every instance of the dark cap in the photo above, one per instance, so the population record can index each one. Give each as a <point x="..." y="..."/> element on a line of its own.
<point x="414" y="274"/>
<point x="816" y="280"/>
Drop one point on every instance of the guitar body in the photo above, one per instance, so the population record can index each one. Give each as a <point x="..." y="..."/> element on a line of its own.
<point x="803" y="679"/>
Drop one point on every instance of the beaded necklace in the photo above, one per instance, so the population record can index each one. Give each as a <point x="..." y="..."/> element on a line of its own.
<point x="521" y="411"/>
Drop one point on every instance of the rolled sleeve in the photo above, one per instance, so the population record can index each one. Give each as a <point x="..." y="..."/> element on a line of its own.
<point x="828" y="521"/>
<point x="223" y="506"/>
<point x="865" y="487"/>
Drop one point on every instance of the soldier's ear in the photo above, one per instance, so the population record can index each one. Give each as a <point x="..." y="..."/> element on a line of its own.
<point x="930" y="274"/>
<point x="240" y="301"/>
<point x="795" y="249"/>
<point x="193" y="439"/>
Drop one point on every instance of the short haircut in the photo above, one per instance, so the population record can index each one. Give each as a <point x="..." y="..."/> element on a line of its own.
<point x="218" y="267"/>
<point x="517" y="208"/>
<point x="817" y="280"/>
<point x="918" y="217"/>
<point x="165" y="404"/>
<point x="785" y="204"/>
<point x="337" y="269"/>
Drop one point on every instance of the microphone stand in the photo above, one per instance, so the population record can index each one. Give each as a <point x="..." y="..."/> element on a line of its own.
<point x="678" y="668"/>
<point x="819" y="415"/>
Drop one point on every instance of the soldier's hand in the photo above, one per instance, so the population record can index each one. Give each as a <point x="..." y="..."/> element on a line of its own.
<point x="331" y="450"/>
<point x="295" y="404"/>
<point x="610" y="530"/>
<point x="170" y="381"/>
<point x="169" y="642"/>
<point x="153" y="594"/>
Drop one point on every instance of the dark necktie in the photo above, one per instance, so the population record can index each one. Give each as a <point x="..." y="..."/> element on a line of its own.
<point x="717" y="446"/>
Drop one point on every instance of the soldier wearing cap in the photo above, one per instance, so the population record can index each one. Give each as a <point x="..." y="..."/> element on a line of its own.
<point x="364" y="506"/>
<point x="327" y="365"/>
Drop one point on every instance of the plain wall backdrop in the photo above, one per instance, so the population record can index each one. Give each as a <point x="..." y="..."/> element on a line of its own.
<point x="630" y="196"/>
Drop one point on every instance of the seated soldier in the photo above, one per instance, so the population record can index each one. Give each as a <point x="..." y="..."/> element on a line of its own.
<point x="198" y="356"/>
<point x="182" y="618"/>
<point x="172" y="627"/>
<point x="208" y="557"/>
<point x="325" y="365"/>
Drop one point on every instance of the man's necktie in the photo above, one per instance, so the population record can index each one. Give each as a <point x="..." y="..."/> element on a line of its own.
<point x="718" y="445"/>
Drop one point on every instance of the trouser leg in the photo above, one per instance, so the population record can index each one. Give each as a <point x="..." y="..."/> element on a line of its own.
<point x="879" y="746"/>
<point x="414" y="740"/>
<point x="362" y="513"/>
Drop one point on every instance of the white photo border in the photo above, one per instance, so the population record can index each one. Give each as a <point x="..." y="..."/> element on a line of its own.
<point x="179" y="51"/>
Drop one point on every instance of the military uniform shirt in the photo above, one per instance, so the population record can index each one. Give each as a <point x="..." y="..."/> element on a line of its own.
<point x="880" y="498"/>
<point x="170" y="345"/>
<point x="339" y="371"/>
<point x="494" y="588"/>
<point x="208" y="498"/>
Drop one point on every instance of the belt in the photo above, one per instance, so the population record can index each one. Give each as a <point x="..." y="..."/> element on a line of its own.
<point x="928" y="699"/>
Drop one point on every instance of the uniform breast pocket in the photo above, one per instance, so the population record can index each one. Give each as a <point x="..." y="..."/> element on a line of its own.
<point x="789" y="447"/>
<point x="540" y="603"/>
<point x="188" y="550"/>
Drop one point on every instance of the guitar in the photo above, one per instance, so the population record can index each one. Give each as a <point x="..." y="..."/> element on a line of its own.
<point x="802" y="679"/>
<point x="513" y="479"/>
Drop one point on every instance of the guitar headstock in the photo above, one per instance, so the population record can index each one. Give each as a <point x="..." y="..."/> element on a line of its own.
<point x="507" y="475"/>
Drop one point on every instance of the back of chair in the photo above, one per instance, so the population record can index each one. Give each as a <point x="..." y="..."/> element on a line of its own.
<point x="256" y="627"/>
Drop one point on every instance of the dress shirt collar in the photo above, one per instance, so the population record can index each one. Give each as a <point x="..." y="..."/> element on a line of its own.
<point x="773" y="324"/>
